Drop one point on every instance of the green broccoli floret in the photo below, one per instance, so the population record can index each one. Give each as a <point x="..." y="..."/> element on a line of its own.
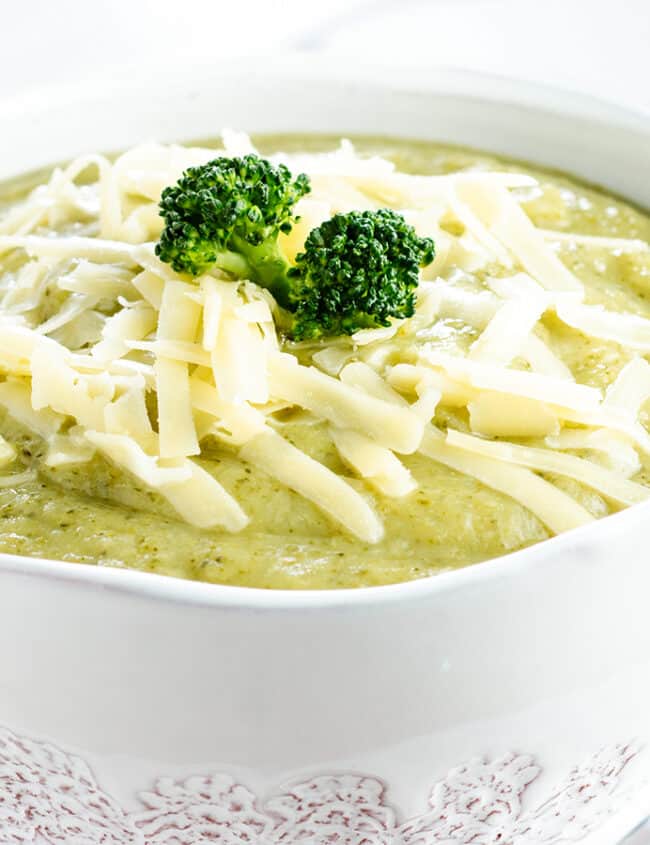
<point x="357" y="270"/>
<point x="229" y="213"/>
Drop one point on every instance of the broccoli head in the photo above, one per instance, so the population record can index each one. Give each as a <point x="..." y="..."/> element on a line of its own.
<point x="357" y="270"/>
<point x="229" y="213"/>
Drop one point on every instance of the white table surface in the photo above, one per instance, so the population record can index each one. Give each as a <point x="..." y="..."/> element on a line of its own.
<point x="597" y="46"/>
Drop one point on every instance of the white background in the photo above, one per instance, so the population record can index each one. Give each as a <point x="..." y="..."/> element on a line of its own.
<point x="602" y="46"/>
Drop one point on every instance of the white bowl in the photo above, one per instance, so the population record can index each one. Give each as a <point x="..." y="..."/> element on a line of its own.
<point x="140" y="709"/>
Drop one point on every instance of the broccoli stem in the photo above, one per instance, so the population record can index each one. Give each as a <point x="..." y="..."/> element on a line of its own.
<point x="267" y="266"/>
<point x="233" y="262"/>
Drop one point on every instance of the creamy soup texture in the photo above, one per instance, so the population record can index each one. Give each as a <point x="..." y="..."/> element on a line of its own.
<point x="92" y="511"/>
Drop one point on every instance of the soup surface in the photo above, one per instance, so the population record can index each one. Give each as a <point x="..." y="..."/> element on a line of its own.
<point x="70" y="501"/>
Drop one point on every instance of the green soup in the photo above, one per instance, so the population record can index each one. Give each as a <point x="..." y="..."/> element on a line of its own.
<point x="92" y="513"/>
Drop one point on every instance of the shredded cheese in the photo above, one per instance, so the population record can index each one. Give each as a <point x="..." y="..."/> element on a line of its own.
<point x="629" y="330"/>
<point x="122" y="329"/>
<point x="150" y="286"/>
<point x="328" y="491"/>
<point x="505" y="335"/>
<point x="501" y="415"/>
<point x="543" y="361"/>
<point x="7" y="453"/>
<point x="178" y="320"/>
<point x="235" y="422"/>
<point x="17" y="346"/>
<point x="497" y="209"/>
<point x="619" y="454"/>
<point x="616" y="244"/>
<point x="69" y="448"/>
<point x="16" y="479"/>
<point x="212" y="310"/>
<point x="555" y="509"/>
<point x="629" y="392"/>
<point x="202" y="501"/>
<point x="73" y="246"/>
<point x="386" y="423"/>
<point x="126" y="453"/>
<point x="239" y="363"/>
<point x="409" y="378"/>
<point x="57" y="386"/>
<point x="15" y="397"/>
<point x="128" y="415"/>
<point x="556" y="392"/>
<point x="377" y="465"/>
<point x="621" y="491"/>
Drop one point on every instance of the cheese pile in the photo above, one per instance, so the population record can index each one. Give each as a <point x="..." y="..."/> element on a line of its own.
<point x="106" y="350"/>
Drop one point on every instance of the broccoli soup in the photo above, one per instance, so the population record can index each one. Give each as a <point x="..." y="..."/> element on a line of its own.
<point x="332" y="366"/>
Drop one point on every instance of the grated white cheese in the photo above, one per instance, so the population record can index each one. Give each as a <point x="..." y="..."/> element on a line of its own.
<point x="326" y="489"/>
<point x="615" y="447"/>
<point x="500" y="415"/>
<point x="361" y="376"/>
<point x="235" y="422"/>
<point x="454" y="301"/>
<point x="505" y="335"/>
<point x="178" y="320"/>
<point x="558" y="393"/>
<point x="239" y="363"/>
<point x="7" y="453"/>
<point x="17" y="344"/>
<point x="203" y="502"/>
<point x="543" y="360"/>
<point x="498" y="210"/>
<point x="126" y="453"/>
<point x="366" y="336"/>
<point x="377" y="465"/>
<point x="610" y="484"/>
<point x="630" y="390"/>
<point x="71" y="246"/>
<point x="150" y="286"/>
<point x="128" y="415"/>
<point x="615" y="244"/>
<point x="555" y="509"/>
<point x="122" y="329"/>
<point x="409" y="378"/>
<point x="212" y="311"/>
<point x="100" y="280"/>
<point x="629" y="330"/>
<point x="18" y="478"/>
<point x="16" y="398"/>
<point x="57" y="386"/>
<point x="332" y="359"/>
<point x="69" y="448"/>
<point x="179" y="350"/>
<point x="388" y="424"/>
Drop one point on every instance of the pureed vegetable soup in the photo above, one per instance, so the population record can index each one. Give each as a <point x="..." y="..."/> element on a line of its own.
<point x="508" y="408"/>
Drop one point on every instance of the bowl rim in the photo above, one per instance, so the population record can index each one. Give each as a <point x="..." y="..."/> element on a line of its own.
<point x="184" y="591"/>
<point x="461" y="82"/>
<point x="404" y="78"/>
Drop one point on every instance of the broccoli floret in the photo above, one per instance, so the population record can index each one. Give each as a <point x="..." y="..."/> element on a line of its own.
<point x="229" y="213"/>
<point x="357" y="270"/>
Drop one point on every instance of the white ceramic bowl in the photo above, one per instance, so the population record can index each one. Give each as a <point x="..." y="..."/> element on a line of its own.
<point x="507" y="703"/>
